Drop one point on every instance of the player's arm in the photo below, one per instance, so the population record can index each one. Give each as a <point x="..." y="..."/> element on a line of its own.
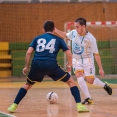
<point x="69" y="57"/>
<point x="96" y="55"/>
<point x="98" y="60"/>
<point x="60" y="33"/>
<point x="67" y="51"/>
<point x="27" y="60"/>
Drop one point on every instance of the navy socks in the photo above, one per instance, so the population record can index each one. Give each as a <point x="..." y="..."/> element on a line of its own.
<point x="22" y="92"/>
<point x="76" y="94"/>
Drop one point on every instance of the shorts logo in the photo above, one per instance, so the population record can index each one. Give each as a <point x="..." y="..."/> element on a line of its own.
<point x="77" y="49"/>
<point x="90" y="70"/>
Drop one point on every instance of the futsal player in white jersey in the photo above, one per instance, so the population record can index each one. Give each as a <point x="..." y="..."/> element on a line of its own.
<point x="84" y="50"/>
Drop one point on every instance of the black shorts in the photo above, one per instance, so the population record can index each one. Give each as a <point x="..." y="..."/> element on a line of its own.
<point x="41" y="68"/>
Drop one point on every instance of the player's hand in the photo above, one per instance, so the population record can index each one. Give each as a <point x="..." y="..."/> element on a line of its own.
<point x="25" y="70"/>
<point x="101" y="72"/>
<point x="69" y="64"/>
<point x="69" y="67"/>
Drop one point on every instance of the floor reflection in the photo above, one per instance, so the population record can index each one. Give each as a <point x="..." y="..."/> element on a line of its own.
<point x="52" y="110"/>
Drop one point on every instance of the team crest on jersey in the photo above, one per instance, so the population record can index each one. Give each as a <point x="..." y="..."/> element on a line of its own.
<point x="77" y="49"/>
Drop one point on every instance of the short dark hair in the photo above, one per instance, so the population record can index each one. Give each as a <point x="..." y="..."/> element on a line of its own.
<point x="48" y="26"/>
<point x="81" y="21"/>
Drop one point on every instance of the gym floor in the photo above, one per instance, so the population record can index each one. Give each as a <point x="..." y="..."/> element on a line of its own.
<point x="35" y="105"/>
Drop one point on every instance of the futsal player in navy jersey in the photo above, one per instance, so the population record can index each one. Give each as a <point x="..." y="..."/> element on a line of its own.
<point x="46" y="48"/>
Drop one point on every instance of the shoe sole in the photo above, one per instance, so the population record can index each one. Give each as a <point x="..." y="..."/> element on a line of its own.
<point x="89" y="103"/>
<point x="10" y="111"/>
<point x="84" y="111"/>
<point x="111" y="93"/>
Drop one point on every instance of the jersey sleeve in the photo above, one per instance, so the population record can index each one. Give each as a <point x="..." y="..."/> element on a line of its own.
<point x="94" y="47"/>
<point x="70" y="35"/>
<point x="33" y="44"/>
<point x="63" y="45"/>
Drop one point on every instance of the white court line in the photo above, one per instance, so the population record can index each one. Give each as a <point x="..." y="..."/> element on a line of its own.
<point x="7" y="114"/>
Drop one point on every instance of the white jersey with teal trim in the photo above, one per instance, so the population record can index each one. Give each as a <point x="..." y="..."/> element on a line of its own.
<point x="82" y="46"/>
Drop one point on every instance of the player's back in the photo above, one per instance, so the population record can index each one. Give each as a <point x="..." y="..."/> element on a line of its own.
<point x="47" y="46"/>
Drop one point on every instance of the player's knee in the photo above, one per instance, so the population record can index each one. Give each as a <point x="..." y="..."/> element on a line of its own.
<point x="27" y="86"/>
<point x="79" y="74"/>
<point x="71" y="82"/>
<point x="90" y="80"/>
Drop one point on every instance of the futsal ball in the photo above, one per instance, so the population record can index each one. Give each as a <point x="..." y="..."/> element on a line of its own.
<point x="52" y="97"/>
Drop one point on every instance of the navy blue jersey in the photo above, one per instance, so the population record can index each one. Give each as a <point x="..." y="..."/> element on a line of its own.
<point x="47" y="46"/>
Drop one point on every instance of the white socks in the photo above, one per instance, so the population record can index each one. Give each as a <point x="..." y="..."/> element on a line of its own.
<point x="83" y="86"/>
<point x="98" y="82"/>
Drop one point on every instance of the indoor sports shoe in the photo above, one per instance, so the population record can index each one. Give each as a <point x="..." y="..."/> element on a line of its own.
<point x="88" y="101"/>
<point x="108" y="89"/>
<point x="81" y="108"/>
<point x="12" y="108"/>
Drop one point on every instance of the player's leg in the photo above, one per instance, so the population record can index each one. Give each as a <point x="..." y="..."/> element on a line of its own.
<point x="98" y="82"/>
<point x="61" y="75"/>
<point x="84" y="88"/>
<point x="20" y="95"/>
<point x="31" y="79"/>
<point x="76" y="94"/>
<point x="90" y="77"/>
<point x="79" y="72"/>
